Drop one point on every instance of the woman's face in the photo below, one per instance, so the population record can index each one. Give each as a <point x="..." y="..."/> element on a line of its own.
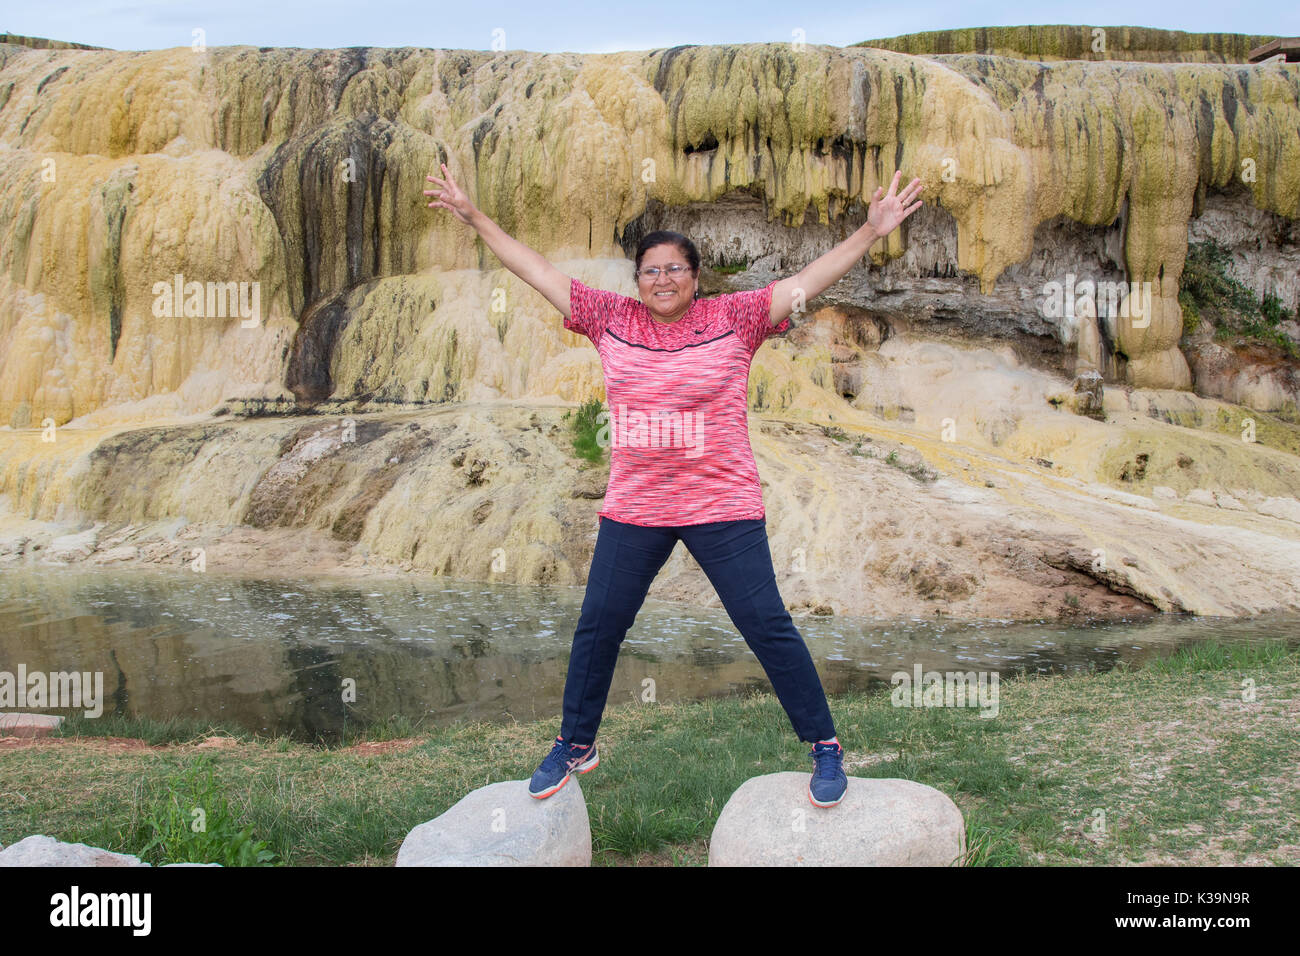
<point x="666" y="296"/>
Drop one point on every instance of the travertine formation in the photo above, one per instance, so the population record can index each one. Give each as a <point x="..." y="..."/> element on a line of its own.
<point x="301" y="171"/>
<point x="184" y="231"/>
<point x="1068" y="42"/>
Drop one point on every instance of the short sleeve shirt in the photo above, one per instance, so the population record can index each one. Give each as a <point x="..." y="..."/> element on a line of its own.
<point x="678" y="400"/>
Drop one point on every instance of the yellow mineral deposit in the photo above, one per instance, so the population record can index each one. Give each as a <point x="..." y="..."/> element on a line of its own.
<point x="300" y="171"/>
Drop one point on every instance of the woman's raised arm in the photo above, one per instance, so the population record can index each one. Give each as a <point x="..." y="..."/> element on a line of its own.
<point x="883" y="216"/>
<point x="524" y="262"/>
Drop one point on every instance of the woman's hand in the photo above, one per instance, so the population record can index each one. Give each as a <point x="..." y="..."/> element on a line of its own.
<point x="887" y="212"/>
<point x="450" y="197"/>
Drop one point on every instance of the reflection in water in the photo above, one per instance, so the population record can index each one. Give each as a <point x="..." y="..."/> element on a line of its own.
<point x="278" y="657"/>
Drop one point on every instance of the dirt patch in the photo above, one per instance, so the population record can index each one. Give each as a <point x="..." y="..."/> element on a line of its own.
<point x="105" y="744"/>
<point x="866" y="760"/>
<point x="368" y="747"/>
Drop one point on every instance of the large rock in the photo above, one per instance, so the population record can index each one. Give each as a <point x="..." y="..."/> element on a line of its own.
<point x="74" y="547"/>
<point x="1286" y="508"/>
<point x="28" y="725"/>
<point x="501" y="825"/>
<point x="1244" y="375"/>
<point x="12" y="546"/>
<point x="1089" y="395"/>
<point x="46" y="851"/>
<point x="769" y="821"/>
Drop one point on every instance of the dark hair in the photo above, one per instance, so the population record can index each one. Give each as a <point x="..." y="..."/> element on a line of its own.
<point x="662" y="237"/>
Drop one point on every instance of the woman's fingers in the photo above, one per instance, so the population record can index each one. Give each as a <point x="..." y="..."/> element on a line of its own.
<point x="448" y="195"/>
<point x="909" y="191"/>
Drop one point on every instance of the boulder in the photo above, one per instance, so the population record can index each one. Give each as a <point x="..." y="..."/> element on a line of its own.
<point x="42" y="850"/>
<point x="769" y="821"/>
<point x="1164" y="493"/>
<point x="1202" y="496"/>
<point x="1248" y="497"/>
<point x="1288" y="509"/>
<point x="1089" y="395"/>
<point x="123" y="552"/>
<point x="74" y="547"/>
<point x="28" y="725"/>
<point x="502" y="825"/>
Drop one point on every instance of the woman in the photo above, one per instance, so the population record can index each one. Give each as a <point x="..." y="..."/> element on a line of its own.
<point x="676" y="376"/>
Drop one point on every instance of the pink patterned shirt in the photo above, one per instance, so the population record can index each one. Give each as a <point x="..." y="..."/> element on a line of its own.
<point x="678" y="398"/>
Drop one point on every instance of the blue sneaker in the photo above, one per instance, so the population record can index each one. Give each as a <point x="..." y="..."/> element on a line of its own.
<point x="563" y="761"/>
<point x="828" y="783"/>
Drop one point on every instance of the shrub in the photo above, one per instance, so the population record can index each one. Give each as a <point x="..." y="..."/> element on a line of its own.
<point x="1208" y="290"/>
<point x="194" y="824"/>
<point x="585" y="431"/>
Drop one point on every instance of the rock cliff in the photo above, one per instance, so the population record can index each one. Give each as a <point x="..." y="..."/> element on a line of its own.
<point x="183" y="232"/>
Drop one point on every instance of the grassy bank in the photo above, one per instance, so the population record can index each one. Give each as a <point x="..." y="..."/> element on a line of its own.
<point x="1167" y="763"/>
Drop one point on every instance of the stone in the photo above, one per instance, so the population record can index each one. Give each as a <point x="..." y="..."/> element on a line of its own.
<point x="28" y="725"/>
<point x="1226" y="501"/>
<point x="1288" y="509"/>
<point x="1123" y="497"/>
<point x="1164" y="493"/>
<point x="502" y="825"/>
<point x="1202" y="496"/>
<point x="124" y="552"/>
<point x="1089" y="395"/>
<point x="1248" y="497"/>
<point x="1244" y="376"/>
<point x="74" y="547"/>
<point x="42" y="850"/>
<point x="769" y="821"/>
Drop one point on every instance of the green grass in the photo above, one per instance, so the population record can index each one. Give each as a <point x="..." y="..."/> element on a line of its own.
<point x="172" y="730"/>
<point x="190" y="821"/>
<point x="731" y="268"/>
<point x="586" y="430"/>
<point x="1213" y="656"/>
<point x="917" y="470"/>
<point x="1186" y="756"/>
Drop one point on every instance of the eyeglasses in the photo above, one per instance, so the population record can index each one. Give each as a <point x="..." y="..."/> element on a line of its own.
<point x="674" y="270"/>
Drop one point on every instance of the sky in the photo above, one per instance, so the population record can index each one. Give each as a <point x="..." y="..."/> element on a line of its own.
<point x="589" y="26"/>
